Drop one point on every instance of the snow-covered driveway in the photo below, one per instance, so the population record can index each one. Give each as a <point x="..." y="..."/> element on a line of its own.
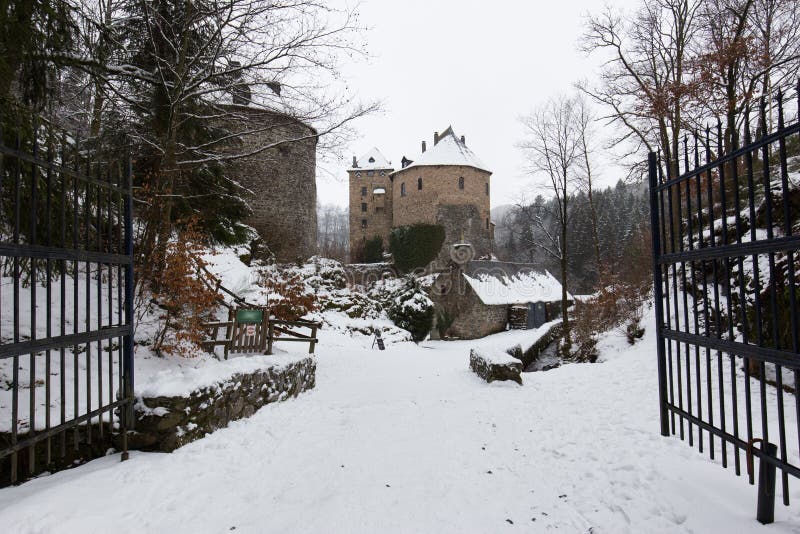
<point x="408" y="440"/>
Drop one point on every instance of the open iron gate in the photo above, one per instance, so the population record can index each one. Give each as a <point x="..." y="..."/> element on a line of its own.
<point x="66" y="293"/>
<point x="725" y="238"/>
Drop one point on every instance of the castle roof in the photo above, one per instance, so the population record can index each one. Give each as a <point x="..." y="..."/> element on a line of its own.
<point x="372" y="160"/>
<point x="449" y="150"/>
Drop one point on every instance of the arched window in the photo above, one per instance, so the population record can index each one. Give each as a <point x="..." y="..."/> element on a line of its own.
<point x="419" y="184"/>
<point x="461" y="182"/>
<point x="403" y="189"/>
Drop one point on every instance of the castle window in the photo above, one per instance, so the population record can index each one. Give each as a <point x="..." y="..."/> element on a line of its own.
<point x="383" y="173"/>
<point x="363" y="191"/>
<point x="403" y="189"/>
<point x="370" y="173"/>
<point x="419" y="184"/>
<point x="461" y="182"/>
<point x="363" y="206"/>
<point x="487" y="188"/>
<point x="372" y="160"/>
<point x="363" y="223"/>
<point x="487" y="223"/>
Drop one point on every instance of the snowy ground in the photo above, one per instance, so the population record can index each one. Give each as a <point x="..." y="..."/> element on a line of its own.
<point x="409" y="440"/>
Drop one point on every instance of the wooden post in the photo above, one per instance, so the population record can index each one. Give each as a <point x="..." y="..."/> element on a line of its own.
<point x="263" y="331"/>
<point x="229" y="333"/>
<point x="313" y="341"/>
<point x="269" y="338"/>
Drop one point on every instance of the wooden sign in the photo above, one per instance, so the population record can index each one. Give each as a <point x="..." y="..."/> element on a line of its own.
<point x="379" y="341"/>
<point x="249" y="316"/>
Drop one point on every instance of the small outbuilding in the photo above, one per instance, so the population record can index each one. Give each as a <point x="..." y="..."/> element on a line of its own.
<point x="481" y="297"/>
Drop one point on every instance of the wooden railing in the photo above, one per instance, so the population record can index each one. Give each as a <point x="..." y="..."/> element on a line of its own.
<point x="257" y="337"/>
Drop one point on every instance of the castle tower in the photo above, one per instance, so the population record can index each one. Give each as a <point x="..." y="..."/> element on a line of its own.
<point x="281" y="181"/>
<point x="370" y="201"/>
<point x="450" y="186"/>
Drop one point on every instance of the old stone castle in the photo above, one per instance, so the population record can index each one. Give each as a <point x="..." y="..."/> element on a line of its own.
<point x="446" y="185"/>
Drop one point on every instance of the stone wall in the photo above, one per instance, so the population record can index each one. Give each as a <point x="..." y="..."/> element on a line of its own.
<point x="472" y="318"/>
<point x="463" y="224"/>
<point x="439" y="187"/>
<point x="464" y="213"/>
<point x="166" y="423"/>
<point x="281" y="181"/>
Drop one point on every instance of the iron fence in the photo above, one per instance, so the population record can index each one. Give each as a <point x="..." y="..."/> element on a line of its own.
<point x="726" y="234"/>
<point x="66" y="345"/>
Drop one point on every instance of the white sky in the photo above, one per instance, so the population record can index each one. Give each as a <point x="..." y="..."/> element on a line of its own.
<point x="477" y="65"/>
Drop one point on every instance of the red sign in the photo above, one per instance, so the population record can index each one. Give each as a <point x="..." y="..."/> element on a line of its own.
<point x="251" y="330"/>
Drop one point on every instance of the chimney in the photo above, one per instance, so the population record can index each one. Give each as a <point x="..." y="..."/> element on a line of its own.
<point x="355" y="162"/>
<point x="463" y="141"/>
<point x="423" y="147"/>
<point x="435" y="138"/>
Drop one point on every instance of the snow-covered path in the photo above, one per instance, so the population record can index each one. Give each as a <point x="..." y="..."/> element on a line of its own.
<point x="408" y="440"/>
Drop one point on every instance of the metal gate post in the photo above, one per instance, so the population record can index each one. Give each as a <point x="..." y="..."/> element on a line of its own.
<point x="765" y="513"/>
<point x="127" y="348"/>
<point x="658" y="288"/>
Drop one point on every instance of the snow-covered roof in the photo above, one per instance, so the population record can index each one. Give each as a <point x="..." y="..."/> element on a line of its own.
<point x="450" y="150"/>
<point x="498" y="283"/>
<point x="372" y="160"/>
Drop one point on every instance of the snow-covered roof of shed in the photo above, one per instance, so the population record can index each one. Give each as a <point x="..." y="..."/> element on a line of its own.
<point x="450" y="150"/>
<point x="501" y="283"/>
<point x="372" y="160"/>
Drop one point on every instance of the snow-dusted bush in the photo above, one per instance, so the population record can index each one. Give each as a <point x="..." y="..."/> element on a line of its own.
<point x="324" y="274"/>
<point x="353" y="304"/>
<point x="411" y="309"/>
<point x="177" y="296"/>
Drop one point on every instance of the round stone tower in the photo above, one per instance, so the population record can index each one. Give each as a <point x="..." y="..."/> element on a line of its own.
<point x="447" y="185"/>
<point x="281" y="180"/>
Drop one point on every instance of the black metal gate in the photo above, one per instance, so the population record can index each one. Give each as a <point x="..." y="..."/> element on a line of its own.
<point x="726" y="235"/>
<point x="66" y="293"/>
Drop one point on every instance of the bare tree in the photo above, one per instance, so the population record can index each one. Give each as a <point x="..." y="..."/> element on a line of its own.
<point x="333" y="231"/>
<point x="553" y="150"/>
<point x="585" y="133"/>
<point x="721" y="59"/>
<point x="171" y="70"/>
<point x="746" y="48"/>
<point x="644" y="83"/>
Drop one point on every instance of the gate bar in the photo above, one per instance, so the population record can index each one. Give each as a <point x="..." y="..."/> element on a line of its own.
<point x="658" y="289"/>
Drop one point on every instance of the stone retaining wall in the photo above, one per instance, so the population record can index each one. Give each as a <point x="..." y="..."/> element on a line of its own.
<point x="166" y="423"/>
<point x="528" y="356"/>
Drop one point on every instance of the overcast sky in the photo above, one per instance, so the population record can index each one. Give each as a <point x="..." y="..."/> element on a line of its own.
<point x="475" y="65"/>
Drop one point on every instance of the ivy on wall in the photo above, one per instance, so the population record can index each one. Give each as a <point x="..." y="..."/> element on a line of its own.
<point x="415" y="245"/>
